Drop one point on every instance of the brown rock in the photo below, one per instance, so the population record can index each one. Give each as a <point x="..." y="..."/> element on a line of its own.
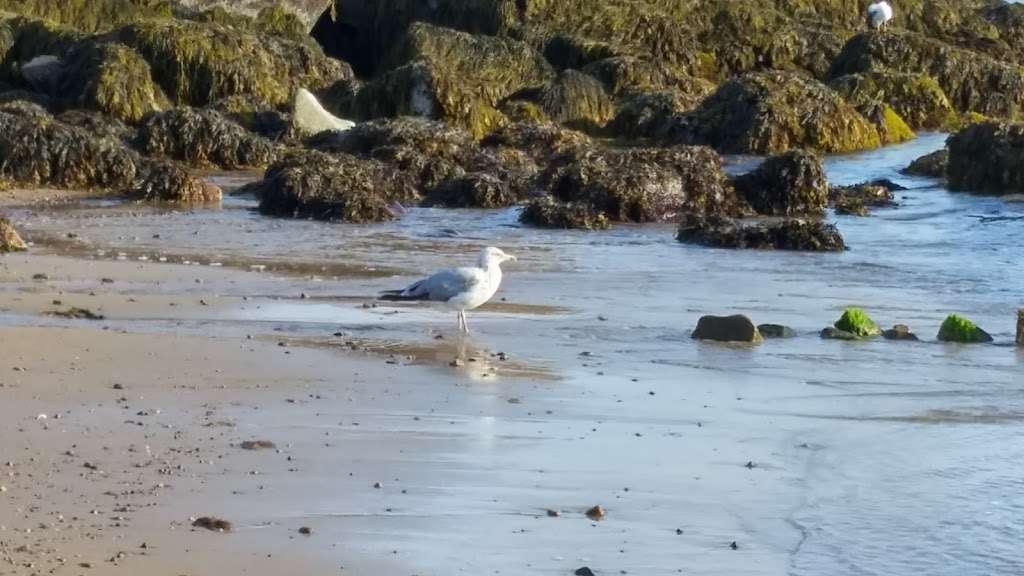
<point x="10" y="240"/>
<point x="737" y="328"/>
<point x="212" y="523"/>
<point x="596" y="513"/>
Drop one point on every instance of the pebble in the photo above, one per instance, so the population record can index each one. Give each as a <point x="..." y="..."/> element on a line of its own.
<point x="596" y="513"/>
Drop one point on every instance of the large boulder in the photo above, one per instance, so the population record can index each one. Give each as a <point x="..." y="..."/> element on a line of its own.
<point x="546" y="212"/>
<point x="987" y="158"/>
<point x="791" y="184"/>
<point x="737" y="328"/>
<point x="642" y="184"/>
<point x="203" y="138"/>
<point x="972" y="82"/>
<point x="790" y="234"/>
<point x="931" y="165"/>
<point x="112" y="79"/>
<point x="857" y="322"/>
<point x="322" y="186"/>
<point x="38" y="150"/>
<point x="451" y="75"/>
<point x="198" y="63"/>
<point x="10" y="240"/>
<point x="772" y="112"/>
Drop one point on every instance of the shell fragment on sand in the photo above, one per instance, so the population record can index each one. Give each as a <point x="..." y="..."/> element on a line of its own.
<point x="310" y="117"/>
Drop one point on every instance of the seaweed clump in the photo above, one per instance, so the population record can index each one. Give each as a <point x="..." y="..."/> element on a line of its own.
<point x="793" y="234"/>
<point x="987" y="157"/>
<point x="204" y="138"/>
<point x="791" y="184"/>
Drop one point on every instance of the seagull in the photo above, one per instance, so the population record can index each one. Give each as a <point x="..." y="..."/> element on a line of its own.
<point x="879" y="14"/>
<point x="459" y="288"/>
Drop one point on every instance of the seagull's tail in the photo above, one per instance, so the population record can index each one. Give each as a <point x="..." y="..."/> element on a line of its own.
<point x="399" y="296"/>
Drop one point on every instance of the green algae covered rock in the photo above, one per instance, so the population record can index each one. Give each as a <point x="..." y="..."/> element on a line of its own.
<point x="90" y="15"/>
<point x="987" y="158"/>
<point x="547" y="212"/>
<point x="203" y="138"/>
<point x="446" y="74"/>
<point x="856" y="321"/>
<point x="959" y="329"/>
<point x="772" y="112"/>
<point x="110" y="78"/>
<point x="312" y="184"/>
<point x="198" y="63"/>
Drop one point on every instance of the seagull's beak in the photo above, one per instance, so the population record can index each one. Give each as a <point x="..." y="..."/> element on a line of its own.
<point x="511" y="257"/>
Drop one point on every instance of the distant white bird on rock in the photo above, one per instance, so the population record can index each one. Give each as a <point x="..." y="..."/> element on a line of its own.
<point x="879" y="14"/>
<point x="459" y="288"/>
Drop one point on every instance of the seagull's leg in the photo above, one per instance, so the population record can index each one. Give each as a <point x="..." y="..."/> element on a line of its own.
<point x="462" y="321"/>
<point x="465" y="323"/>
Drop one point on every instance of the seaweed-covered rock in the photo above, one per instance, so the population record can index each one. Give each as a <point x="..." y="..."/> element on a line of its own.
<point x="97" y="124"/>
<point x="971" y="81"/>
<point x="961" y="330"/>
<point x="10" y="240"/>
<point x="775" y="331"/>
<point x="475" y="190"/>
<point x="89" y="15"/>
<point x="916" y="97"/>
<point x="200" y="63"/>
<point x="257" y="116"/>
<point x="455" y="76"/>
<point x="856" y="321"/>
<point x="546" y="212"/>
<point x="772" y="112"/>
<point x="791" y="184"/>
<point x="322" y="186"/>
<point x="272" y="19"/>
<point x="931" y="165"/>
<point x="737" y="328"/>
<point x="112" y="79"/>
<point x="987" y="158"/>
<point x="542" y="141"/>
<point x="167" y="182"/>
<point x="204" y="138"/>
<point x="624" y="75"/>
<point x="36" y="149"/>
<point x="642" y="184"/>
<point x="790" y="234"/>
<point x="645" y="114"/>
<point x="856" y="199"/>
<point x="574" y="99"/>
<point x="892" y="129"/>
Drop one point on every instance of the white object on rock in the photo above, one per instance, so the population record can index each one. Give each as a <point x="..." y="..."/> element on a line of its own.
<point x="879" y="14"/>
<point x="310" y="117"/>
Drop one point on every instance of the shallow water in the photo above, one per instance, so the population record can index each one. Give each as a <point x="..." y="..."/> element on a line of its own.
<point x="870" y="458"/>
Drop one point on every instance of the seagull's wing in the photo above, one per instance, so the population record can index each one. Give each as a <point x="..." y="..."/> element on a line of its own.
<point x="444" y="285"/>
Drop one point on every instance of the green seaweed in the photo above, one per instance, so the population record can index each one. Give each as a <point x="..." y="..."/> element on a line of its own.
<point x="961" y="330"/>
<point x="856" y="321"/>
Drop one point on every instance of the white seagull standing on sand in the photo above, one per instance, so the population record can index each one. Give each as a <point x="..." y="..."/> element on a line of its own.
<point x="459" y="288"/>
<point x="879" y="14"/>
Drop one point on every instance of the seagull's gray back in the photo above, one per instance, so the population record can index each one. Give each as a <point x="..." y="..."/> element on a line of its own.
<point x="446" y="284"/>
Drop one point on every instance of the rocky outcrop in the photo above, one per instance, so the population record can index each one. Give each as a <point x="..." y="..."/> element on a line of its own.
<point x="972" y="82"/>
<point x="167" y="182"/>
<point x="961" y="330"/>
<point x="203" y="138"/>
<point x="773" y="112"/>
<point x="446" y="74"/>
<point x="322" y="186"/>
<point x="574" y="99"/>
<point x="931" y="165"/>
<point x="198" y="64"/>
<point x="10" y="240"/>
<point x="647" y="114"/>
<point x="642" y="184"/>
<point x="475" y="190"/>
<point x="282" y="16"/>
<point x="791" y="184"/>
<point x="987" y="158"/>
<point x="547" y="212"/>
<point x="790" y="234"/>
<point x="856" y="199"/>
<point x="916" y="97"/>
<point x="110" y="78"/>
<point x="541" y="141"/>
<point x="736" y="328"/>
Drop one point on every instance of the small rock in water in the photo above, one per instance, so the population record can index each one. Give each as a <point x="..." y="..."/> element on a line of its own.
<point x="596" y="513"/>
<point x="78" y="313"/>
<point x="378" y="485"/>
<point x="750" y="465"/>
<point x="305" y="530"/>
<point x="734" y="545"/>
<point x="837" y="334"/>
<point x="457" y="363"/>
<point x="584" y="571"/>
<point x="257" y="445"/>
<point x="553" y="513"/>
<point x="776" y="331"/>
<point x="40" y="276"/>
<point x="900" y="332"/>
<point x="736" y="328"/>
